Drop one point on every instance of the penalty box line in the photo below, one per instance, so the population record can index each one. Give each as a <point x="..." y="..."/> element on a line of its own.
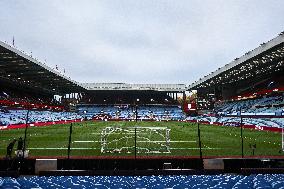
<point x="171" y="141"/>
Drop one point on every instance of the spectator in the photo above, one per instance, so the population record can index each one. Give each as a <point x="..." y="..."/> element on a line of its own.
<point x="20" y="147"/>
<point x="20" y="144"/>
<point x="10" y="149"/>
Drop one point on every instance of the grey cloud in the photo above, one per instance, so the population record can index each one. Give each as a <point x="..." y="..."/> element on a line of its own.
<point x="161" y="41"/>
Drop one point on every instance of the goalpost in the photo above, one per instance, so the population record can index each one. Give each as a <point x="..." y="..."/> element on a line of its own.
<point x="282" y="138"/>
<point x="148" y="140"/>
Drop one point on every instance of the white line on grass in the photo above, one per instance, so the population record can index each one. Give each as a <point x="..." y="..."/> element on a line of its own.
<point x="183" y="141"/>
<point x="100" y="148"/>
<point x="196" y="148"/>
<point x="172" y="141"/>
<point x="63" y="148"/>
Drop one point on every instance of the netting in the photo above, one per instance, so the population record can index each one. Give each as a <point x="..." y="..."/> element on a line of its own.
<point x="148" y="140"/>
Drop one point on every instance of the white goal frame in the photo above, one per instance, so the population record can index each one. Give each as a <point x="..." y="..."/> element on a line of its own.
<point x="282" y="133"/>
<point x="128" y="136"/>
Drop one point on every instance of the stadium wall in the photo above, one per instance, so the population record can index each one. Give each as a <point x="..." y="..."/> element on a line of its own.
<point x="254" y="127"/>
<point x="39" y="124"/>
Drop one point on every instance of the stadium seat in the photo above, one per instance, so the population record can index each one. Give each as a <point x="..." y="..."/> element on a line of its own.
<point x="145" y="112"/>
<point x="13" y="117"/>
<point x="260" y="181"/>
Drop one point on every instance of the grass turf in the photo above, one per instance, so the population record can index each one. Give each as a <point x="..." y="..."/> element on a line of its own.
<point x="86" y="140"/>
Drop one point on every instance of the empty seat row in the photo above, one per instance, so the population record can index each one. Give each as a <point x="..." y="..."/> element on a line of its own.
<point x="264" y="105"/>
<point x="11" y="117"/>
<point x="155" y="112"/>
<point x="157" y="182"/>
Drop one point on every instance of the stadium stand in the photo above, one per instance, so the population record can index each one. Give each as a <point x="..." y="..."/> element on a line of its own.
<point x="258" y="111"/>
<point x="124" y="112"/>
<point x="15" y="103"/>
<point x="120" y="101"/>
<point x="130" y="96"/>
<point x="263" y="111"/>
<point x="25" y="98"/>
<point x="250" y="86"/>
<point x="266" y="105"/>
<point x="13" y="117"/>
<point x="15" y="97"/>
<point x="155" y="182"/>
<point x="235" y="121"/>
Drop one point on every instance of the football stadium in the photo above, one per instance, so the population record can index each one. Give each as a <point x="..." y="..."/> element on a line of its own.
<point x="236" y="118"/>
<point x="225" y="130"/>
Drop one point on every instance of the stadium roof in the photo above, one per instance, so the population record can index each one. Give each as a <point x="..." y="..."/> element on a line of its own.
<point x="16" y="66"/>
<point x="266" y="59"/>
<point x="137" y="87"/>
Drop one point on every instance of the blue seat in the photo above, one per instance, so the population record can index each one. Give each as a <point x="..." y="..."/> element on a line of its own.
<point x="278" y="184"/>
<point x="9" y="183"/>
<point x="261" y="183"/>
<point x="180" y="185"/>
<point x="120" y="186"/>
<point x="100" y="186"/>
<point x="152" y="182"/>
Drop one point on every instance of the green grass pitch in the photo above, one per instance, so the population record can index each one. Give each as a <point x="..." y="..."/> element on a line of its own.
<point x="86" y="140"/>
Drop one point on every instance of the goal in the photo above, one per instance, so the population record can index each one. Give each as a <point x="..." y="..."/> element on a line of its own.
<point x="149" y="140"/>
<point x="282" y="137"/>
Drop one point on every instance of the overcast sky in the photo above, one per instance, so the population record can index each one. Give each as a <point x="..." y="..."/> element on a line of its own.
<point x="139" y="41"/>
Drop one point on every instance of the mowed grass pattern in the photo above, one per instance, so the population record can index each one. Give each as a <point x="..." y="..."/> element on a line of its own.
<point x="86" y="140"/>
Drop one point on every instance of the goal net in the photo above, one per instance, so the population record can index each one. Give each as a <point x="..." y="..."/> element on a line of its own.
<point x="148" y="140"/>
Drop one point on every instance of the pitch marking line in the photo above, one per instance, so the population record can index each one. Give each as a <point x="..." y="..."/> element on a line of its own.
<point x="183" y="141"/>
<point x="172" y="141"/>
<point x="100" y="148"/>
<point x="63" y="148"/>
<point x="196" y="148"/>
<point x="84" y="141"/>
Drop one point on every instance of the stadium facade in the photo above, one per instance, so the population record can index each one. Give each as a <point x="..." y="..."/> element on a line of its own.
<point x="245" y="75"/>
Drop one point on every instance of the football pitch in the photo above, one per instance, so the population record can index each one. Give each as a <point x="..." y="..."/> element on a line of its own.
<point x="95" y="139"/>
